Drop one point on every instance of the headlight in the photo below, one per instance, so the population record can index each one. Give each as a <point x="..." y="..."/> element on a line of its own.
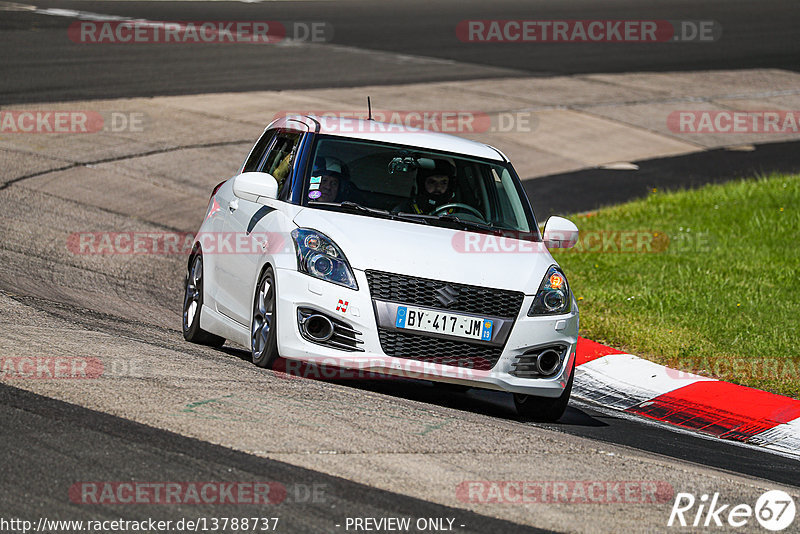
<point x="318" y="256"/>
<point x="553" y="296"/>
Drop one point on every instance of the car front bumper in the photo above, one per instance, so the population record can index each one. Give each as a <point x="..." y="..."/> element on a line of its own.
<point x="355" y="308"/>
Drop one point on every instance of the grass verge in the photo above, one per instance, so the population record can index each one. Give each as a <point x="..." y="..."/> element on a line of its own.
<point x="705" y="280"/>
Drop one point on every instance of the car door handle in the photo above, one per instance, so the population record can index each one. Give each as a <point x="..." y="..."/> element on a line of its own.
<point x="233" y="205"/>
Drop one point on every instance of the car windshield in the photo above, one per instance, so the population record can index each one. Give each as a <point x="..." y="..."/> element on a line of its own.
<point x="416" y="185"/>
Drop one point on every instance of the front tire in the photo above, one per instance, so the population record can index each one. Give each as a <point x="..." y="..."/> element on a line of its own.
<point x="193" y="306"/>
<point x="544" y="409"/>
<point x="263" y="329"/>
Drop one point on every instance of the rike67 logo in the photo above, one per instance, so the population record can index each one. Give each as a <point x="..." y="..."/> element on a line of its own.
<point x="774" y="510"/>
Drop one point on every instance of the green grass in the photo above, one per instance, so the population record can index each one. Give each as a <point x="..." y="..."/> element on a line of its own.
<point x="721" y="297"/>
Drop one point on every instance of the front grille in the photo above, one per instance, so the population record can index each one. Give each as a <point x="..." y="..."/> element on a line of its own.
<point x="423" y="292"/>
<point x="439" y="351"/>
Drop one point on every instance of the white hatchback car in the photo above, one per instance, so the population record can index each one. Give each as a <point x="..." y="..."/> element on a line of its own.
<point x="394" y="251"/>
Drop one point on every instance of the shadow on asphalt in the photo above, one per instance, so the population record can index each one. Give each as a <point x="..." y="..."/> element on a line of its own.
<point x="58" y="446"/>
<point x="590" y="189"/>
<point x="479" y="401"/>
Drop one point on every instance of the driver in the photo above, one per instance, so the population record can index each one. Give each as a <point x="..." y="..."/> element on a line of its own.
<point x="330" y="176"/>
<point x="435" y="188"/>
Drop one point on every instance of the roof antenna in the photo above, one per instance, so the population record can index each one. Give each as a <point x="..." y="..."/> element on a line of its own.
<point x="369" y="109"/>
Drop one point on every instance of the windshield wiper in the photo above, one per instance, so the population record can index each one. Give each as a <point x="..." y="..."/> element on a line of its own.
<point x="468" y="224"/>
<point x="373" y="211"/>
<point x="413" y="217"/>
<point x="394" y="215"/>
<point x="353" y="206"/>
<point x="365" y="209"/>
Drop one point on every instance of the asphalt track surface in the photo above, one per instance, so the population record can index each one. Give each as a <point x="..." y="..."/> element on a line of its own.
<point x="51" y="443"/>
<point x="124" y="450"/>
<point x="372" y="43"/>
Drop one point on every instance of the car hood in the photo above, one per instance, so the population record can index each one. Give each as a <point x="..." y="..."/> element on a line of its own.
<point x="431" y="252"/>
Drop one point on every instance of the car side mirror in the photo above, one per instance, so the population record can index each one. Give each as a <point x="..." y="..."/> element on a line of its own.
<point x="252" y="185"/>
<point x="560" y="233"/>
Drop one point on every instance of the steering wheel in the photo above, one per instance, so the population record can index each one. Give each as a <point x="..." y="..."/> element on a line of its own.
<point x="465" y="207"/>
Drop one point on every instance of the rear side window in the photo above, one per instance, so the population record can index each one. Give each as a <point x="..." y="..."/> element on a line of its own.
<point x="257" y="154"/>
<point x="281" y="156"/>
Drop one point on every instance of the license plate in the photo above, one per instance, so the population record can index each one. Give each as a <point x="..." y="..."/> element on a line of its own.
<point x="411" y="318"/>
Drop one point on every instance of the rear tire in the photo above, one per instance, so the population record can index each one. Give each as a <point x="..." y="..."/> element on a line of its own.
<point x="263" y="327"/>
<point x="544" y="409"/>
<point x="193" y="306"/>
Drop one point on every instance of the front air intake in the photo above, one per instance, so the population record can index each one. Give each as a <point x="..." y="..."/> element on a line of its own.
<point x="322" y="329"/>
<point x="541" y="362"/>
